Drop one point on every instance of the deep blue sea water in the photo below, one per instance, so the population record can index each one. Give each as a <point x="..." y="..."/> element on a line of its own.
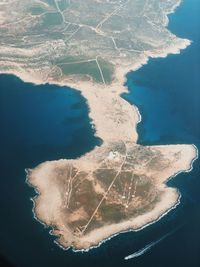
<point x="41" y="123"/>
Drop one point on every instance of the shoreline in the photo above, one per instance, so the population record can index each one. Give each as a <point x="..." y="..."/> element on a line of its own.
<point x="173" y="207"/>
<point x="118" y="86"/>
<point x="159" y="215"/>
<point x="178" y="202"/>
<point x="139" y="118"/>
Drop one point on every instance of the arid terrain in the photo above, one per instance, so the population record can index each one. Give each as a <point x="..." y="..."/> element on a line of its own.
<point x="110" y="189"/>
<point x="90" y="46"/>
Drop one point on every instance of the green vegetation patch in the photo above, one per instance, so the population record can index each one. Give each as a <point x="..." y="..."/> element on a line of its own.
<point x="63" y="4"/>
<point x="52" y="19"/>
<point x="81" y="65"/>
<point x="36" y="10"/>
<point x="85" y="68"/>
<point x="56" y="35"/>
<point x="107" y="70"/>
<point x="69" y="59"/>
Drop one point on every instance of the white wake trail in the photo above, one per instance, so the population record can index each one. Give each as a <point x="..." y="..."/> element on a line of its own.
<point x="149" y="246"/>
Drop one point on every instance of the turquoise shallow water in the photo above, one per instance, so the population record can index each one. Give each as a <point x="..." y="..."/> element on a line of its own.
<point x="167" y="93"/>
<point x="41" y="123"/>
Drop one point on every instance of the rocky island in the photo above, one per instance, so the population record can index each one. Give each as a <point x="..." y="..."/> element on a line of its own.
<point x="90" y="46"/>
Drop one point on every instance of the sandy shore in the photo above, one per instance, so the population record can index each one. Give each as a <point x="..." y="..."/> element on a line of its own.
<point x="114" y="120"/>
<point x="50" y="199"/>
<point x="106" y="107"/>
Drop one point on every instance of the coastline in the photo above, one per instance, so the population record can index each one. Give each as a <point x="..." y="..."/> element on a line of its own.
<point x="122" y="74"/>
<point x="136" y="118"/>
<point x="116" y="88"/>
<point x="121" y="232"/>
<point x="171" y="200"/>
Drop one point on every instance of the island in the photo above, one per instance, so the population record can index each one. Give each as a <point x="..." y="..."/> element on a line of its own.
<point x="90" y="46"/>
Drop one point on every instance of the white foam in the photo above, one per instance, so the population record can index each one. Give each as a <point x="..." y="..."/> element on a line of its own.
<point x="149" y="246"/>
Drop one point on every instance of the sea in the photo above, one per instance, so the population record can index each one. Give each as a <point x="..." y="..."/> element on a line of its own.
<point x="47" y="122"/>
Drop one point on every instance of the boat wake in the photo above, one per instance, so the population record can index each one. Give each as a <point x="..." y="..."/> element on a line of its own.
<point x="149" y="246"/>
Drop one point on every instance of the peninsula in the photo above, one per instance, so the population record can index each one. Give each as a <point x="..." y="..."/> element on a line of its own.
<point x="90" y="46"/>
